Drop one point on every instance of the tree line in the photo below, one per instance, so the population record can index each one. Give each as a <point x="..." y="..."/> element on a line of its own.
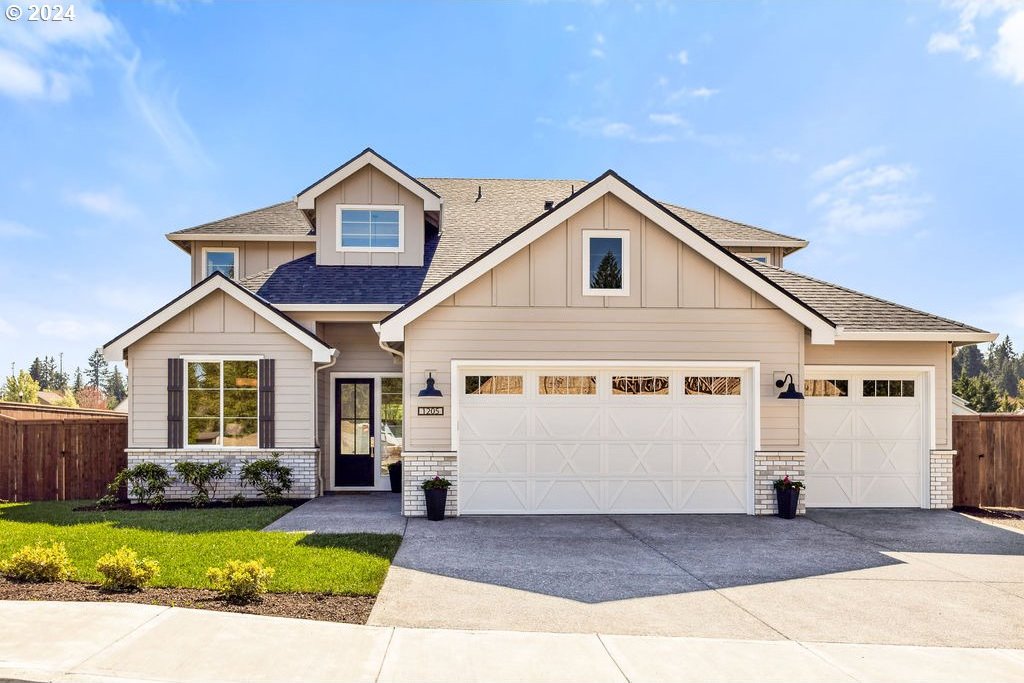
<point x="98" y="386"/>
<point x="991" y="381"/>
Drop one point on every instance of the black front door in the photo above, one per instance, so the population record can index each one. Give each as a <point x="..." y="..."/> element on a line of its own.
<point x="353" y="432"/>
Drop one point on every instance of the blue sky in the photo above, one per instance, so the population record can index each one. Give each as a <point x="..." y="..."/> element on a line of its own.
<point x="888" y="134"/>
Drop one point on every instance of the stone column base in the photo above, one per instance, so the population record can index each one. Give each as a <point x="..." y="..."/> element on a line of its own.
<point x="420" y="465"/>
<point x="772" y="465"/>
<point x="940" y="473"/>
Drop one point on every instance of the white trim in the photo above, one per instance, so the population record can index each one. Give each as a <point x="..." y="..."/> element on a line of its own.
<point x="338" y="308"/>
<point x="754" y="255"/>
<point x="381" y="482"/>
<point x="591" y="233"/>
<point x="458" y="367"/>
<point x="185" y="389"/>
<point x="223" y="250"/>
<point x="307" y="199"/>
<point x="115" y="350"/>
<point x="898" y="335"/>
<point x="393" y="330"/>
<point x="927" y="374"/>
<point x="235" y="237"/>
<point x="338" y="208"/>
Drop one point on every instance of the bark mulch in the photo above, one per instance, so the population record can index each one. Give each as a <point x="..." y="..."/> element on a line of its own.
<point x="317" y="606"/>
<point x="1010" y="517"/>
<point x="125" y="506"/>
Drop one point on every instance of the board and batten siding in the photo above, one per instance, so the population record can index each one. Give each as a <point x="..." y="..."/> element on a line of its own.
<point x="934" y="354"/>
<point x="531" y="307"/>
<point x="219" y="326"/>
<point x="369" y="186"/>
<point x="253" y="257"/>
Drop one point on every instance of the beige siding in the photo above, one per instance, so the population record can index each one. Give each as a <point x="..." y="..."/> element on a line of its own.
<point x="219" y="326"/>
<point x="931" y="354"/>
<point x="253" y="257"/>
<point x="369" y="186"/>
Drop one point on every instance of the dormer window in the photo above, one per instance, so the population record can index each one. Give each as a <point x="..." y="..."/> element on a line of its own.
<point x="222" y="260"/>
<point x="370" y="228"/>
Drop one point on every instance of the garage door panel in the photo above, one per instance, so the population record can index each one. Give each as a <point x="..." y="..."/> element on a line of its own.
<point x="713" y="422"/>
<point x="493" y="422"/>
<point x="830" y="456"/>
<point x="830" y="491"/>
<point x="567" y="458"/>
<point x="832" y="421"/>
<point x="501" y="496"/>
<point x="639" y="422"/>
<point x="495" y="458"/>
<point x="641" y="496"/>
<point x="567" y="496"/>
<point x="888" y="421"/>
<point x="652" y="459"/>
<point x="889" y="491"/>
<point x="715" y="496"/>
<point x="889" y="456"/>
<point x="564" y="421"/>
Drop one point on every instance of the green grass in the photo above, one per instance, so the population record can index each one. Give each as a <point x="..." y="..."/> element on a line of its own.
<point x="187" y="542"/>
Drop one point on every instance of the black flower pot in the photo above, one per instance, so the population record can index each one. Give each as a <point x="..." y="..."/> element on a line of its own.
<point x="787" y="502"/>
<point x="395" y="474"/>
<point x="436" y="499"/>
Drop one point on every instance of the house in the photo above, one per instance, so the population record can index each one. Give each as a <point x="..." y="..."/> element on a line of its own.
<point x="551" y="346"/>
<point x="960" y="407"/>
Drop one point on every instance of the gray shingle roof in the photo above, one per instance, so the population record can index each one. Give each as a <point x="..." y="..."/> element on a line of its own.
<point x="722" y="230"/>
<point x="283" y="219"/>
<point x="855" y="311"/>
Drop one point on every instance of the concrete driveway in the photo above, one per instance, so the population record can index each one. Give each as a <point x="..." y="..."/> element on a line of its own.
<point x="912" y="577"/>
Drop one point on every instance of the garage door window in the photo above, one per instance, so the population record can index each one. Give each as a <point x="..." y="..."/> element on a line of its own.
<point x="494" y="384"/>
<point x="826" y="388"/>
<point x="712" y="386"/>
<point x="640" y="385"/>
<point x="888" y="388"/>
<point x="567" y="385"/>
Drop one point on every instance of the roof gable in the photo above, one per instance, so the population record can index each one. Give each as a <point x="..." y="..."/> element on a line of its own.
<point x="822" y="329"/>
<point x="114" y="349"/>
<point x="306" y="198"/>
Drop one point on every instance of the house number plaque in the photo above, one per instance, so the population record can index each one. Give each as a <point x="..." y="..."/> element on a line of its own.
<point x="430" y="410"/>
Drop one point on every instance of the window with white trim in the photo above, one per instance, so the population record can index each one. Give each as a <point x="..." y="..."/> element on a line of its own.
<point x="370" y="228"/>
<point x="222" y="403"/>
<point x="761" y="257"/>
<point x="888" y="388"/>
<point x="606" y="262"/>
<point x="220" y="260"/>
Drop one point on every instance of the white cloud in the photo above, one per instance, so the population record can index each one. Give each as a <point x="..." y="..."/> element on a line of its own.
<point x="109" y="204"/>
<point x="1008" y="53"/>
<point x="12" y="229"/>
<point x="597" y="51"/>
<point x="68" y="327"/>
<point x="701" y="93"/>
<point x="570" y="28"/>
<point x="7" y="329"/>
<point x="986" y="27"/>
<point x="950" y="42"/>
<point x="683" y="57"/>
<point x="785" y="155"/>
<point x="667" y="119"/>
<point x="844" y="165"/>
<point x="614" y="130"/>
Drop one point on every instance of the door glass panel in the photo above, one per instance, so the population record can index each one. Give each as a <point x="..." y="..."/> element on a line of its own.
<point x="391" y="410"/>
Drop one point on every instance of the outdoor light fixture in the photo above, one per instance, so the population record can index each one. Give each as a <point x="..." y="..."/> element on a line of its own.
<point x="790" y="391"/>
<point x="429" y="390"/>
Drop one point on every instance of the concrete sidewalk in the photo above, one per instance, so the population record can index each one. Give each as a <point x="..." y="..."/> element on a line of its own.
<point x="42" y="641"/>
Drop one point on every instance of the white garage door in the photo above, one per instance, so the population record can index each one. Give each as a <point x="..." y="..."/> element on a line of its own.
<point x="866" y="438"/>
<point x="581" y="440"/>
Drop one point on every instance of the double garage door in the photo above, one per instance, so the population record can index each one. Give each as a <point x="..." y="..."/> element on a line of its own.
<point x="568" y="440"/>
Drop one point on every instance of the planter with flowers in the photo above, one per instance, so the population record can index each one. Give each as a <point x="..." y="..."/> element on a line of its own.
<point x="436" y="492"/>
<point x="787" y="492"/>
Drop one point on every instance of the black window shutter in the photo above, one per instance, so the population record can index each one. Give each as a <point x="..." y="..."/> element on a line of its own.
<point x="175" y="402"/>
<point x="266" y="403"/>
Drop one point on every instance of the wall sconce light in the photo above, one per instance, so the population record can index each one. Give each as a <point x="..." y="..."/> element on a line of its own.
<point x="429" y="390"/>
<point x="790" y="391"/>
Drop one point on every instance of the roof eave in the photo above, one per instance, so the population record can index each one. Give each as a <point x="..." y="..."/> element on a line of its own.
<point x="237" y="237"/>
<point x="960" y="337"/>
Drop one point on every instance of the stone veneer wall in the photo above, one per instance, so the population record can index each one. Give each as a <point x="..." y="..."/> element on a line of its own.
<point x="941" y="479"/>
<point x="302" y="461"/>
<point x="772" y="465"/>
<point x="420" y="465"/>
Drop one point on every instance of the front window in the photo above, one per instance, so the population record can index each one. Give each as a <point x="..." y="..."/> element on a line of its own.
<point x="606" y="262"/>
<point x="366" y="228"/>
<point x="223" y="403"/>
<point x="220" y="261"/>
<point x="390" y="421"/>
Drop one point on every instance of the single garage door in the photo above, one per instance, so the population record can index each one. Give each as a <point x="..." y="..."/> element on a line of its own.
<point x="866" y="438"/>
<point x="580" y="440"/>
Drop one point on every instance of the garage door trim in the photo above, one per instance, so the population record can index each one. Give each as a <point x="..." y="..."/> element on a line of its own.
<point x="927" y="373"/>
<point x="750" y="369"/>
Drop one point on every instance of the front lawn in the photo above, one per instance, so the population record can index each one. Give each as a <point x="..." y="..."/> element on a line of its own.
<point x="187" y="542"/>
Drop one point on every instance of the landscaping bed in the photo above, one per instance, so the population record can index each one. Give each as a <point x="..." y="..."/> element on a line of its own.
<point x="321" y="607"/>
<point x="1011" y="517"/>
<point x="125" y="506"/>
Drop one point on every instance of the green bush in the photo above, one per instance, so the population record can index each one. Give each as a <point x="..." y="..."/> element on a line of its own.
<point x="268" y="476"/>
<point x="146" y="483"/>
<point x="239" y="581"/>
<point x="39" y="564"/>
<point x="203" y="477"/>
<point x="123" y="570"/>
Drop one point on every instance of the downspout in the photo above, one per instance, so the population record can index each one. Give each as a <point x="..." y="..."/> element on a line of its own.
<point x="316" y="414"/>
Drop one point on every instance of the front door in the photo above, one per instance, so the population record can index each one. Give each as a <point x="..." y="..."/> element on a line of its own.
<point x="354" y="432"/>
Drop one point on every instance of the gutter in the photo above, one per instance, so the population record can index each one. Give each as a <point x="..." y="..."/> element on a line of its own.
<point x="316" y="415"/>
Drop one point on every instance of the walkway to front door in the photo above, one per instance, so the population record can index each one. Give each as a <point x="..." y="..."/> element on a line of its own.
<point x="346" y="513"/>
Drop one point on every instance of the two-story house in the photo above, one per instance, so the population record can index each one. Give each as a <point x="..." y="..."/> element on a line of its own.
<point x="552" y="346"/>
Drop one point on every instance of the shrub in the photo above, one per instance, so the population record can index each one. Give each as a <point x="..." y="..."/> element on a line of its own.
<point x="268" y="476"/>
<point x="123" y="570"/>
<point x="203" y="477"/>
<point x="146" y="482"/>
<point x="438" y="482"/>
<point x="237" y="500"/>
<point x="39" y="564"/>
<point x="239" y="581"/>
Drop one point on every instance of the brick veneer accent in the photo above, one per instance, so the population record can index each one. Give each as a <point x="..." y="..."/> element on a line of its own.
<point x="941" y="479"/>
<point x="772" y="465"/>
<point x="303" y="462"/>
<point x="420" y="465"/>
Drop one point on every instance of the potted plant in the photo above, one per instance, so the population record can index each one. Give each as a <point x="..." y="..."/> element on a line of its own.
<point x="787" y="492"/>
<point x="436" y="492"/>
<point x="395" y="474"/>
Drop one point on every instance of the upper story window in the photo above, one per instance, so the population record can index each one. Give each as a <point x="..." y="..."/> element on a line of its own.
<point x="762" y="257"/>
<point x="606" y="262"/>
<point x="220" y="259"/>
<point x="370" y="228"/>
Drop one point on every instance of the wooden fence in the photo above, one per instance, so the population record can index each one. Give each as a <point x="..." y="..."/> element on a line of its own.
<point x="49" y="453"/>
<point x="989" y="467"/>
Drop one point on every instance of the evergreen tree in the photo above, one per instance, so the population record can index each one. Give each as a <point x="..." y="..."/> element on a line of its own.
<point x="49" y="378"/>
<point x="35" y="370"/>
<point x="970" y="358"/>
<point x="97" y="369"/>
<point x="79" y="382"/>
<point x="985" y="398"/>
<point x="608" y="274"/>
<point x="115" y="387"/>
<point x="60" y="381"/>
